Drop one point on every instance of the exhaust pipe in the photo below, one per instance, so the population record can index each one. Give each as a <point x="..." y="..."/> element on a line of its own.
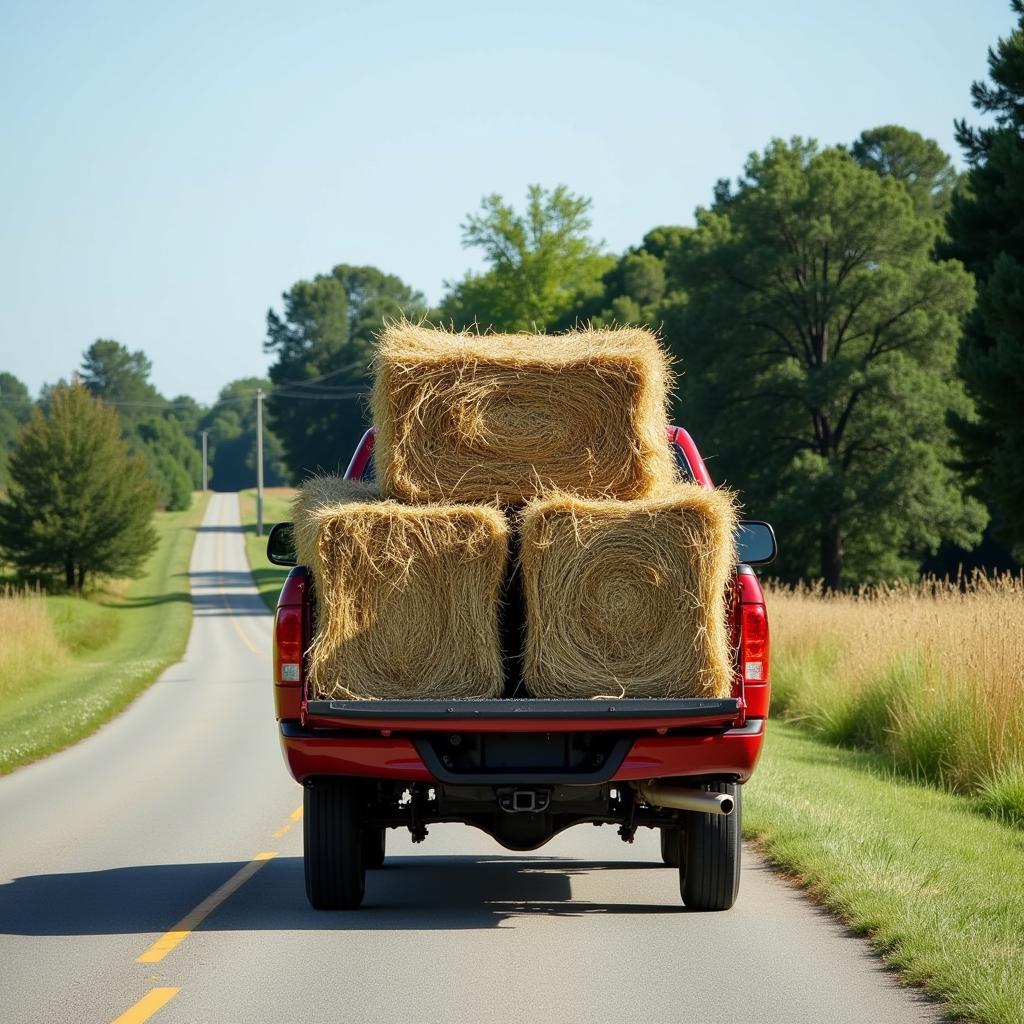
<point x="659" y="794"/>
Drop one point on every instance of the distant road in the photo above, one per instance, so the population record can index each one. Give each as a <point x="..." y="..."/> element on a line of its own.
<point x="172" y="835"/>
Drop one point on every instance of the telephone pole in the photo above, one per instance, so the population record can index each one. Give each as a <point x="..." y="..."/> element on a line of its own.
<point x="204" y="433"/>
<point x="259" y="462"/>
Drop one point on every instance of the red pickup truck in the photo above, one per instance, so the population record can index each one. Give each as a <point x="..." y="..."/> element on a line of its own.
<point x="522" y="769"/>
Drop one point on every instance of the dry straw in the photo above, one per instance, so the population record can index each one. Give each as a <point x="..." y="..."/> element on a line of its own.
<point x="407" y="596"/>
<point x="628" y="598"/>
<point x="484" y="417"/>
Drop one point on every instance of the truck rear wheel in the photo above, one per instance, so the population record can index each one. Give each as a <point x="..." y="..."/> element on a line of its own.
<point x="670" y="840"/>
<point x="332" y="844"/>
<point x="709" y="875"/>
<point x="374" y="847"/>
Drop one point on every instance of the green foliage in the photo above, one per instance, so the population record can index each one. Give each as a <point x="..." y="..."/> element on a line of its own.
<point x="232" y="441"/>
<point x="918" y="163"/>
<point x="818" y="338"/>
<point x="323" y="342"/>
<point x="15" y="410"/>
<point x="542" y="264"/>
<point x="113" y="373"/>
<point x="154" y="428"/>
<point x="986" y="227"/>
<point x="79" y="503"/>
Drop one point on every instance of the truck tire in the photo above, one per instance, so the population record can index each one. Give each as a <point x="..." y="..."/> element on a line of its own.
<point x="709" y="876"/>
<point x="374" y="846"/>
<point x="332" y="844"/>
<point x="670" y="840"/>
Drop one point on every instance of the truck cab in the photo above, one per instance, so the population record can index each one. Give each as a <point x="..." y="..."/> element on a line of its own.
<point x="524" y="769"/>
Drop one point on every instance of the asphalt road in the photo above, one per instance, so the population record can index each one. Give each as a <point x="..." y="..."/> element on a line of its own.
<point x="112" y="852"/>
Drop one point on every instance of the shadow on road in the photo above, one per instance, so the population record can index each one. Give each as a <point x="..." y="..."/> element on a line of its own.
<point x="409" y="893"/>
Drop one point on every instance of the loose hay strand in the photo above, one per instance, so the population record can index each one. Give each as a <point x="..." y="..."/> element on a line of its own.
<point x="484" y="417"/>
<point x="407" y="596"/>
<point x="628" y="598"/>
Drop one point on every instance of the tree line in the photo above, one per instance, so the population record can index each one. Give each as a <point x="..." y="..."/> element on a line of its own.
<point x="845" y="321"/>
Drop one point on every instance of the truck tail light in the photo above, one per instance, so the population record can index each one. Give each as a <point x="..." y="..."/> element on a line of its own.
<point x="754" y="644"/>
<point x="288" y="646"/>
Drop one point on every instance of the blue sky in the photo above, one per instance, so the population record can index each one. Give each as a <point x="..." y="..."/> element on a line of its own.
<point x="167" y="170"/>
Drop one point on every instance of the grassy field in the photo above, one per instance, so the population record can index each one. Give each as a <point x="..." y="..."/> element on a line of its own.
<point x="276" y="509"/>
<point x="934" y="885"/>
<point x="927" y="675"/>
<point x="68" y="664"/>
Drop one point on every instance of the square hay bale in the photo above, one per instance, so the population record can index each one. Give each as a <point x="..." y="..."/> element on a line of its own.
<point x="628" y="599"/>
<point x="485" y="417"/>
<point x="407" y="596"/>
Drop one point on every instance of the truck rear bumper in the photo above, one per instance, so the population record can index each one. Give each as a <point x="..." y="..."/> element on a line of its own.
<point x="731" y="752"/>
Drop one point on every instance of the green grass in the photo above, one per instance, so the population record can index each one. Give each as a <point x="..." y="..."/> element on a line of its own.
<point x="935" y="886"/>
<point x="276" y="509"/>
<point x="114" y="645"/>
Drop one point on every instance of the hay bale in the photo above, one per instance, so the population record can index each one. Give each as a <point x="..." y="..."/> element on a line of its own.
<point x="407" y="596"/>
<point x="484" y="417"/>
<point x="628" y="599"/>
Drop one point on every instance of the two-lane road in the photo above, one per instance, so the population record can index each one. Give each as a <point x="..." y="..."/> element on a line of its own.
<point x="154" y="872"/>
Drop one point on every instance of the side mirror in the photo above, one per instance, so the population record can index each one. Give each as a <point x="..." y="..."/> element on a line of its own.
<point x="281" y="545"/>
<point x="755" y="542"/>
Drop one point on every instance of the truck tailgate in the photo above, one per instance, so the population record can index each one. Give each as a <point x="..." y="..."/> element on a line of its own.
<point x="523" y="715"/>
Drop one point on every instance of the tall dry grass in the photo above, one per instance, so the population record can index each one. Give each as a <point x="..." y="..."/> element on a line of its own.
<point x="928" y="673"/>
<point x="28" y="638"/>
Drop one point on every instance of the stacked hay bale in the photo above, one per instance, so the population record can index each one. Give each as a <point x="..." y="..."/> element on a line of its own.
<point x="485" y="417"/>
<point x="407" y="597"/>
<point x="627" y="598"/>
<point x="623" y="568"/>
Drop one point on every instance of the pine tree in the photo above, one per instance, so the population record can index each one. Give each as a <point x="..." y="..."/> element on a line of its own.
<point x="79" y="504"/>
<point x="986" y="227"/>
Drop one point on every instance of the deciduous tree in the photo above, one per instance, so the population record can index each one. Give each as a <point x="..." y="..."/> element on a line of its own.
<point x="542" y="264"/>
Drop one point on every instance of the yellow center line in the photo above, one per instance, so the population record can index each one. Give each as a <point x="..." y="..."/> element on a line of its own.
<point x="169" y="940"/>
<point x="147" y="1005"/>
<point x="296" y="817"/>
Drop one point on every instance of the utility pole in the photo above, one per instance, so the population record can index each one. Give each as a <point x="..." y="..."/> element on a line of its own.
<point x="259" y="462"/>
<point x="204" y="433"/>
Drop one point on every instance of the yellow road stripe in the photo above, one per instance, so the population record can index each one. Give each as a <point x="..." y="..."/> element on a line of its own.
<point x="194" y="918"/>
<point x="147" y="1005"/>
<point x="296" y="817"/>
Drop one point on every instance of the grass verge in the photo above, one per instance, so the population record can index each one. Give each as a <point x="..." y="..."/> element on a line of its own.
<point x="276" y="509"/>
<point x="106" y="650"/>
<point x="935" y="886"/>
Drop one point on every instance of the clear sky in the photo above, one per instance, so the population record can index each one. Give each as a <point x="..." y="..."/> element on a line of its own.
<point x="167" y="170"/>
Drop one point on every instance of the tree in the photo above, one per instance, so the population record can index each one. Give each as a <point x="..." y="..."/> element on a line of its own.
<point x="152" y="426"/>
<point x="79" y="503"/>
<point x="232" y="426"/>
<point x="543" y="265"/>
<point x="638" y="289"/>
<point x="918" y="163"/>
<point x="113" y="373"/>
<point x="324" y="342"/>
<point x="986" y="228"/>
<point x="818" y="341"/>
<point x="15" y="410"/>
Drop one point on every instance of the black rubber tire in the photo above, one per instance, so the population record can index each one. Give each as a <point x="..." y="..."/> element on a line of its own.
<point x="374" y="847"/>
<point x="670" y="845"/>
<point x="332" y="844"/>
<point x="709" y="876"/>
